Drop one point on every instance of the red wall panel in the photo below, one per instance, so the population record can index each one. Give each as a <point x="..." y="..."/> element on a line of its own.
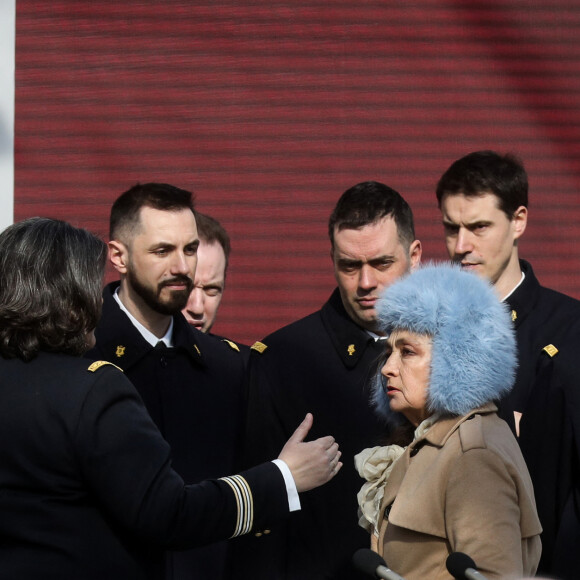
<point x="270" y="110"/>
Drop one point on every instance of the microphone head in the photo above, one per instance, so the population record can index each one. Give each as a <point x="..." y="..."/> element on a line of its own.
<point x="457" y="563"/>
<point x="367" y="561"/>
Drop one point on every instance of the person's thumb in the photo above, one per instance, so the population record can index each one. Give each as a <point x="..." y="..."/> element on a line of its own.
<point x="302" y="431"/>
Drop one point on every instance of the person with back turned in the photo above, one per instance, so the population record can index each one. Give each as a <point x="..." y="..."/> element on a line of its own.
<point x="87" y="485"/>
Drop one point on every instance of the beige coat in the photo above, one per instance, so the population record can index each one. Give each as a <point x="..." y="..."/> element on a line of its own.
<point x="463" y="487"/>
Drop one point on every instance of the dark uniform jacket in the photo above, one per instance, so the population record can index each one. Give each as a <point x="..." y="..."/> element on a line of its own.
<point x="195" y="395"/>
<point x="86" y="487"/>
<point x="546" y="392"/>
<point x="320" y="364"/>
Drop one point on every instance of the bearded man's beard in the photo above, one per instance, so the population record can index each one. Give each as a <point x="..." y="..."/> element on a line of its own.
<point x="175" y="301"/>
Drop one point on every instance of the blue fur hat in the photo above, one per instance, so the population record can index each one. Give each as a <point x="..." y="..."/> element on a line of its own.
<point x="473" y="357"/>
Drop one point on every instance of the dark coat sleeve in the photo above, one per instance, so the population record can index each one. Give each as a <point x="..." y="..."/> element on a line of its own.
<point x="126" y="463"/>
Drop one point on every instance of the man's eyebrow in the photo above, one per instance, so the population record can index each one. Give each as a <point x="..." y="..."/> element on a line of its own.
<point x="350" y="261"/>
<point x="161" y="244"/>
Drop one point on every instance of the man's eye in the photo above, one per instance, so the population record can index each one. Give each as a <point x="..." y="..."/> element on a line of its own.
<point x="349" y="268"/>
<point x="382" y="266"/>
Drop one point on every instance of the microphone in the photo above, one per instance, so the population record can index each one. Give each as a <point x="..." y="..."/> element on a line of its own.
<point x="371" y="563"/>
<point x="462" y="567"/>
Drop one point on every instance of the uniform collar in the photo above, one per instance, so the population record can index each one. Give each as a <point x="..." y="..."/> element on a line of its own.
<point x="145" y="332"/>
<point x="523" y="299"/>
<point x="349" y="339"/>
<point x="119" y="341"/>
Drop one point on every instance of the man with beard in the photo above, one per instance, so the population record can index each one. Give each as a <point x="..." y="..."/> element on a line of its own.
<point x="191" y="383"/>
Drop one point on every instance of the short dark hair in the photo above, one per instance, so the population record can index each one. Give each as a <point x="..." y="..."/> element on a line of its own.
<point x="211" y="231"/>
<point x="484" y="172"/>
<point x="51" y="277"/>
<point x="125" y="211"/>
<point x="368" y="202"/>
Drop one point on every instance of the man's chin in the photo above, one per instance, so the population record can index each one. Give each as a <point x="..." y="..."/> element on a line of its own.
<point x="366" y="318"/>
<point x="174" y="303"/>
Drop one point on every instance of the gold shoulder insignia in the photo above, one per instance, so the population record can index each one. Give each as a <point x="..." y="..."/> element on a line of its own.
<point x="100" y="363"/>
<point x="259" y="347"/>
<point x="514" y="315"/>
<point x="351" y="349"/>
<point x="232" y="344"/>
<point x="551" y="350"/>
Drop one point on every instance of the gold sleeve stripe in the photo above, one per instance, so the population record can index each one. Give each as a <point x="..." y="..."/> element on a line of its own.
<point x="244" y="502"/>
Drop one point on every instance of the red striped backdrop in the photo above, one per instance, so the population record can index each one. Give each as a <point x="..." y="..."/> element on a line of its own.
<point x="270" y="110"/>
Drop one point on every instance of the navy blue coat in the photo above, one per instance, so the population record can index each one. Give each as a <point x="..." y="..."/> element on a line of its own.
<point x="195" y="395"/>
<point x="547" y="393"/>
<point x="320" y="364"/>
<point x="86" y="486"/>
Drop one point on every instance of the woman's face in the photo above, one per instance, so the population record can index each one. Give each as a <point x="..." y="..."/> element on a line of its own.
<point x="407" y="371"/>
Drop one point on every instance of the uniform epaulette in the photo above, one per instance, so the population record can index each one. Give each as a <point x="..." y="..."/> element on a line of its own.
<point x="231" y="344"/>
<point x="99" y="363"/>
<point x="259" y="347"/>
<point x="551" y="350"/>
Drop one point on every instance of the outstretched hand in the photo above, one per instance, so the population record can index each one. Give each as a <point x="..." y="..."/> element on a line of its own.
<point x="312" y="463"/>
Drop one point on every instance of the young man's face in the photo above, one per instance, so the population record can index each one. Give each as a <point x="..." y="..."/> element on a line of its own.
<point x="481" y="237"/>
<point x="366" y="261"/>
<point x="161" y="259"/>
<point x="203" y="303"/>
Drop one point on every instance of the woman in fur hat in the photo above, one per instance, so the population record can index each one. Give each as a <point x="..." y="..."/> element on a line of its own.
<point x="453" y="479"/>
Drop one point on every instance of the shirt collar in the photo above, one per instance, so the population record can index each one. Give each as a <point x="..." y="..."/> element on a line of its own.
<point x="515" y="287"/>
<point x="145" y="333"/>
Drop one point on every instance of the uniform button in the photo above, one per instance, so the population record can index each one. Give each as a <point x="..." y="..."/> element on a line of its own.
<point x="163" y="362"/>
<point x="258" y="534"/>
<point x="266" y="532"/>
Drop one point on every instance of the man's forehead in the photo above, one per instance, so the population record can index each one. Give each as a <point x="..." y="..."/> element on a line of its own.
<point x="474" y="200"/>
<point x="152" y="220"/>
<point x="375" y="237"/>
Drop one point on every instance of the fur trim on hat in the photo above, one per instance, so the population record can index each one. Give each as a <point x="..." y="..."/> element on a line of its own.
<point x="473" y="358"/>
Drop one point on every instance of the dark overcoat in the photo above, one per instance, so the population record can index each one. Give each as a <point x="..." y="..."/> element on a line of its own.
<point x="320" y="364"/>
<point x="86" y="486"/>
<point x="547" y="393"/>
<point x="195" y="395"/>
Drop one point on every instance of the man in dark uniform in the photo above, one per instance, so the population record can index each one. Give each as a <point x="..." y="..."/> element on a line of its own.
<point x="191" y="383"/>
<point x="213" y="257"/>
<point x="483" y="199"/>
<point x="322" y="364"/>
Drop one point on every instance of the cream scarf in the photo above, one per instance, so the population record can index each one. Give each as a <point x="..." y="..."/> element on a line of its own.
<point x="375" y="465"/>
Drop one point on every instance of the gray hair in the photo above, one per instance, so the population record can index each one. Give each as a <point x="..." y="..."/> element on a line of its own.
<point x="51" y="276"/>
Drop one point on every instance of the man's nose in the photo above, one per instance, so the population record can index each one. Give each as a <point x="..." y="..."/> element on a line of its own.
<point x="463" y="244"/>
<point x="367" y="277"/>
